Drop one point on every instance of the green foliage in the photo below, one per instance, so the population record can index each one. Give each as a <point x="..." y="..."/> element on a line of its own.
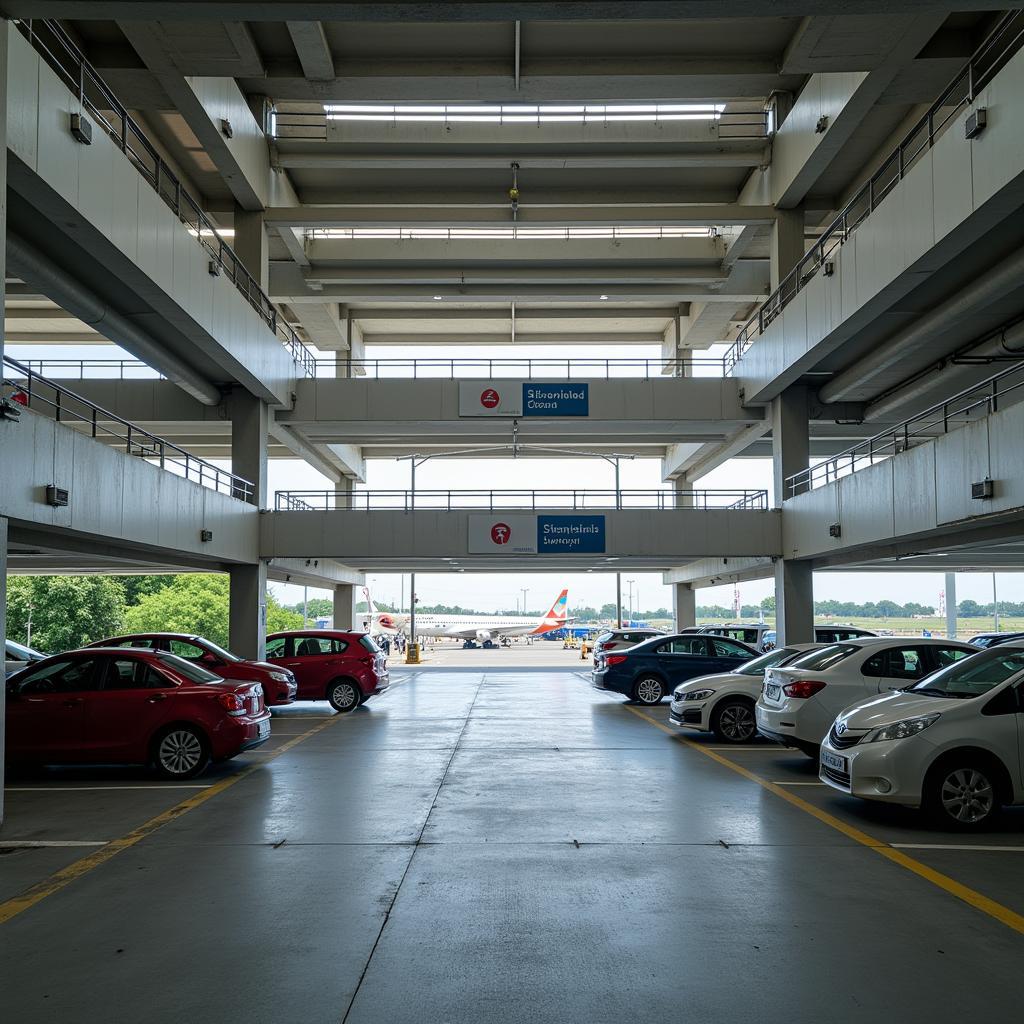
<point x="137" y="587"/>
<point x="316" y="608"/>
<point x="67" y="611"/>
<point x="198" y="603"/>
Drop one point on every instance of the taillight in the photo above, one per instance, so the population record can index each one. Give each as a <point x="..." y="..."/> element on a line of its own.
<point x="605" y="645"/>
<point x="232" y="703"/>
<point x="614" y="659"/>
<point x="803" y="688"/>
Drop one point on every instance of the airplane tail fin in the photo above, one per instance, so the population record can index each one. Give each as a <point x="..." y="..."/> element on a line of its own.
<point x="556" y="616"/>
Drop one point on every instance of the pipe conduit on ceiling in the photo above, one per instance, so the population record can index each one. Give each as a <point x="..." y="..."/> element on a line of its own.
<point x="39" y="270"/>
<point x="848" y="384"/>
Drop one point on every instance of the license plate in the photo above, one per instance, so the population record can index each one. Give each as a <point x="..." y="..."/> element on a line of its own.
<point x="263" y="729"/>
<point x="833" y="761"/>
<point x="771" y="690"/>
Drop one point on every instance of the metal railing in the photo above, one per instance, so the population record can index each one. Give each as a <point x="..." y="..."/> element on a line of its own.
<point x="92" y="369"/>
<point x="572" y="368"/>
<point x="59" y="51"/>
<point x="499" y="499"/>
<point x="965" y="407"/>
<point x="30" y="390"/>
<point x="1001" y="44"/>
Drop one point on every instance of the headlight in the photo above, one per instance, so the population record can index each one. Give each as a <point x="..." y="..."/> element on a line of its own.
<point x="695" y="695"/>
<point x="901" y="730"/>
<point x="281" y="677"/>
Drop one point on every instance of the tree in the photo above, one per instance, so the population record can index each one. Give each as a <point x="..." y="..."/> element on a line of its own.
<point x="198" y="604"/>
<point x="969" y="609"/>
<point x="137" y="587"/>
<point x="768" y="603"/>
<point x="316" y="608"/>
<point x="67" y="611"/>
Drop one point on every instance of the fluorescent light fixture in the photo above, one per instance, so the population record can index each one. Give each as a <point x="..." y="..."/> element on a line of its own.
<point x="207" y="233"/>
<point x="557" y="233"/>
<point x="438" y="298"/>
<point x="604" y="298"/>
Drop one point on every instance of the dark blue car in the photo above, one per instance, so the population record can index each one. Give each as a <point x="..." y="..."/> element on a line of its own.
<point x="648" y="672"/>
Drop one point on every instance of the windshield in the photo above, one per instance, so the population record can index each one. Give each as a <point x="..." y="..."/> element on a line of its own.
<point x="369" y="644"/>
<point x="769" y="660"/>
<point x="189" y="669"/>
<point x="220" y="652"/>
<point x="20" y="652"/>
<point x="973" y="676"/>
<point x="824" y="658"/>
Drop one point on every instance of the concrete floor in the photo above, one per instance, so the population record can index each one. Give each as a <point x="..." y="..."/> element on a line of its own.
<point x="494" y="847"/>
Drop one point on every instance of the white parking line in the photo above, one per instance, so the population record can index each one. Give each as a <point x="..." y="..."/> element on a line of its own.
<point x="945" y="846"/>
<point x="36" y="843"/>
<point x="86" y="789"/>
<point x="780" y="782"/>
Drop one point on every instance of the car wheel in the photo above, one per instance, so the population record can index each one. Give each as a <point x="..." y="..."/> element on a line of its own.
<point x="343" y="695"/>
<point x="649" y="690"/>
<point x="962" y="794"/>
<point x="180" y="752"/>
<point x="733" y="721"/>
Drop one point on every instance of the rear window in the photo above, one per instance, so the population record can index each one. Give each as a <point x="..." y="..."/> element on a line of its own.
<point x="770" y="660"/>
<point x="20" y="651"/>
<point x="818" y="661"/>
<point x="368" y="643"/>
<point x="189" y="669"/>
<point x="603" y="637"/>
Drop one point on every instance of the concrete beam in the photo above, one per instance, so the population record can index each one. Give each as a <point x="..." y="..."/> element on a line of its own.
<point x="581" y="337"/>
<point x="313" y="572"/>
<point x="350" y="457"/>
<point x="312" y="49"/>
<point x="602" y="312"/>
<point x="318" y="458"/>
<point x="476" y="161"/>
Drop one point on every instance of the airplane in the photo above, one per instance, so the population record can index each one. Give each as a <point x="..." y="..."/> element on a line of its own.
<point x="474" y="629"/>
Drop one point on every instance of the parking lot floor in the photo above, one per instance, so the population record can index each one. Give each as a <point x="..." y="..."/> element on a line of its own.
<point x="496" y="846"/>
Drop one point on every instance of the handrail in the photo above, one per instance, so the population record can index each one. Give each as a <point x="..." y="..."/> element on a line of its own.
<point x="29" y="388"/>
<point x="990" y="57"/>
<point x="106" y="369"/>
<point x="498" y="498"/>
<point x="950" y="414"/>
<point x="53" y="43"/>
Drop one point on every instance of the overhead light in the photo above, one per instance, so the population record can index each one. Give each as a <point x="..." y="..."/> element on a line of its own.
<point x="604" y="297"/>
<point x="438" y="298"/>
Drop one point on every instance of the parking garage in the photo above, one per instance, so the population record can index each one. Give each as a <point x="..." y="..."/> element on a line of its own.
<point x="747" y="278"/>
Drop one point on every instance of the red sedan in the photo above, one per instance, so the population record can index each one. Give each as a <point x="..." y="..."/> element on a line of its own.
<point x="278" y="683"/>
<point x="100" y="706"/>
<point x="342" y="667"/>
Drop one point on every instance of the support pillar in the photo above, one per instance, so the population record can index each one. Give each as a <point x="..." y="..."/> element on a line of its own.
<point x="683" y="487"/>
<point x="791" y="443"/>
<point x="5" y="438"/>
<point x="794" y="602"/>
<point x="251" y="245"/>
<point x="345" y="616"/>
<point x="950" y="605"/>
<point x="247" y="614"/>
<point x="685" y="604"/>
<point x="249" y="422"/>
<point x="3" y="634"/>
<point x="787" y="243"/>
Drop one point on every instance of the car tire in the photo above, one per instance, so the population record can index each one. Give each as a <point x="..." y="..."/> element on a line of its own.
<point x="344" y="695"/>
<point x="962" y="793"/>
<point x="732" y="720"/>
<point x="648" y="690"/>
<point x="180" y="752"/>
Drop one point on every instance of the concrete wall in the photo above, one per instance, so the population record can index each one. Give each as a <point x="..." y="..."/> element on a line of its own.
<point x="137" y="237"/>
<point x="115" y="500"/>
<point x="940" y="207"/>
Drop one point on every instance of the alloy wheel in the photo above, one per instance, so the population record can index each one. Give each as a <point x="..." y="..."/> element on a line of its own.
<point x="649" y="691"/>
<point x="967" y="796"/>
<point x="180" y="752"/>
<point x="737" y="722"/>
<point x="343" y="696"/>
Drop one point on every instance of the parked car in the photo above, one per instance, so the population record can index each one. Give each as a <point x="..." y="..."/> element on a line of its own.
<point x="342" y="667"/>
<point x="752" y="633"/>
<point x="18" y="656"/>
<point x="724" y="703"/>
<point x="952" y="743"/>
<point x="278" y="683"/>
<point x="616" y="639"/>
<point x="993" y="639"/>
<point x="801" y="700"/>
<point x="647" y="672"/>
<point x="833" y="634"/>
<point x="117" y="706"/>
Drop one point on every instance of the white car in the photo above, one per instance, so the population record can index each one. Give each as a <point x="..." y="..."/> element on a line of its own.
<point x="616" y="639"/>
<point x="724" y="703"/>
<point x="952" y="744"/>
<point x="18" y="656"/>
<point x="800" y="702"/>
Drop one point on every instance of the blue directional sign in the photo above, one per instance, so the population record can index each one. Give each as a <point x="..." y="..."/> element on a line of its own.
<point x="567" y="399"/>
<point x="570" y="535"/>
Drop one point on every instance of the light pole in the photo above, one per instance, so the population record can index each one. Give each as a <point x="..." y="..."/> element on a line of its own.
<point x="630" y="584"/>
<point x="525" y="590"/>
<point x="995" y="604"/>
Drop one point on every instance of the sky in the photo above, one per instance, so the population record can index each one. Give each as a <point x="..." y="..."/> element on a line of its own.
<point x="491" y="592"/>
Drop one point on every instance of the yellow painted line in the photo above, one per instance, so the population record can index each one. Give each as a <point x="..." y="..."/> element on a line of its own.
<point x="48" y="886"/>
<point x="1002" y="914"/>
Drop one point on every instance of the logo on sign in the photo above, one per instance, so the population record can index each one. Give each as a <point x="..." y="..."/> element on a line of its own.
<point x="490" y="399"/>
<point x="501" y="533"/>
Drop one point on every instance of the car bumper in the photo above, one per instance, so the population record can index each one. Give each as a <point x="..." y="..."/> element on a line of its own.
<point x="890" y="771"/>
<point x="276" y="694"/>
<point x="795" y="726"/>
<point x="688" y="715"/>
<point x="383" y="682"/>
<point x="240" y="734"/>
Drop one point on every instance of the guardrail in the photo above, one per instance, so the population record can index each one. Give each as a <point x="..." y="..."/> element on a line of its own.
<point x="29" y="389"/>
<point x="92" y="369"/>
<point x="990" y="57"/>
<point x="965" y="407"/>
<point x="59" y="51"/>
<point x="500" y="499"/>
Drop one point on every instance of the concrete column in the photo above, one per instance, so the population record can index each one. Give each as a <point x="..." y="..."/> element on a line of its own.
<point x="251" y="245"/>
<point x="685" y="603"/>
<point x="787" y="243"/>
<point x="247" y="618"/>
<point x="794" y="602"/>
<point x="343" y="364"/>
<point x="951" y="605"/>
<point x="791" y="445"/>
<point x="345" y="616"/>
<point x="3" y="635"/>
<point x="249" y="421"/>
<point x="683" y="486"/>
<point x="3" y="267"/>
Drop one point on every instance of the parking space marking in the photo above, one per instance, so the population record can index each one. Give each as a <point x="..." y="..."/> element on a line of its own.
<point x="31" y="844"/>
<point x="1004" y="915"/>
<point x="953" y="846"/>
<point x="782" y="782"/>
<point x="97" y="789"/>
<point x="48" y="886"/>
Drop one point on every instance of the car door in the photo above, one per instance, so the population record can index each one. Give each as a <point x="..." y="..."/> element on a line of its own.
<point x="122" y="715"/>
<point x="314" y="662"/>
<point x="725" y="655"/>
<point x="896" y="667"/>
<point x="46" y="709"/>
<point x="683" y="658"/>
